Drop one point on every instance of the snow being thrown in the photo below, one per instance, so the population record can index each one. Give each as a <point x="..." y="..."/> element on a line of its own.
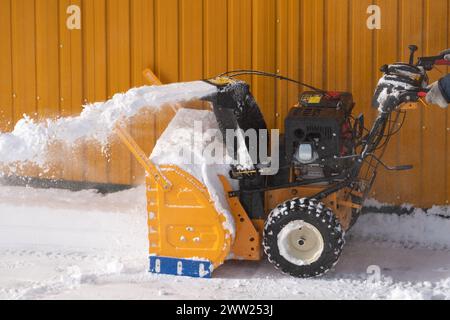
<point x="31" y="140"/>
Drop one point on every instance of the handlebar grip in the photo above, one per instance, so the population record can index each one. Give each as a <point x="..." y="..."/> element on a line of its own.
<point x="443" y="62"/>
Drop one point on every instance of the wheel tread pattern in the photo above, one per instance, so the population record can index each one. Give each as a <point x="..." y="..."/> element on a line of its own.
<point x="321" y="217"/>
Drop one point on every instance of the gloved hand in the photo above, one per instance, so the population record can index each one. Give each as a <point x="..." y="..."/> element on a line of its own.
<point x="446" y="53"/>
<point x="439" y="93"/>
<point x="398" y="79"/>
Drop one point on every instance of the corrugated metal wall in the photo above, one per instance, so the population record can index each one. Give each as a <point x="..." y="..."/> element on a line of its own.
<point x="48" y="70"/>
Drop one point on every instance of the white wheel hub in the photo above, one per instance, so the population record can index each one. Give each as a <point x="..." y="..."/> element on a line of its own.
<point x="300" y="243"/>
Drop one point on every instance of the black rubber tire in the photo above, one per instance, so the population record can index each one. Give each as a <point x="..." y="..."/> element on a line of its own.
<point x="316" y="214"/>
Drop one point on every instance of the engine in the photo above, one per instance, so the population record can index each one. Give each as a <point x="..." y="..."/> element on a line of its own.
<point x="319" y="133"/>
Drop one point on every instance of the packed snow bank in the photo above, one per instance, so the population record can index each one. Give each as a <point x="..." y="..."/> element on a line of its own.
<point x="375" y="204"/>
<point x="29" y="141"/>
<point x="418" y="229"/>
<point x="185" y="143"/>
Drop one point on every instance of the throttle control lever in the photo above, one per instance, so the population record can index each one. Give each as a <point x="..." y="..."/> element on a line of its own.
<point x="413" y="48"/>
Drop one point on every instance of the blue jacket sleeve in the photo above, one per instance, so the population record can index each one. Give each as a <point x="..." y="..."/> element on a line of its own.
<point x="444" y="85"/>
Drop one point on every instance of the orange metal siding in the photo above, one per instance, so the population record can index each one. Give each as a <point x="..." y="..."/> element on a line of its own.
<point x="6" y="99"/>
<point x="48" y="70"/>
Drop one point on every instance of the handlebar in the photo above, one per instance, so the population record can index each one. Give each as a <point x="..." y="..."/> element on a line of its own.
<point x="427" y="63"/>
<point x="412" y="96"/>
<point x="443" y="59"/>
<point x="443" y="62"/>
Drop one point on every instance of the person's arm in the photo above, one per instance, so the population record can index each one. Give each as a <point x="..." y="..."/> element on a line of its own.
<point x="439" y="93"/>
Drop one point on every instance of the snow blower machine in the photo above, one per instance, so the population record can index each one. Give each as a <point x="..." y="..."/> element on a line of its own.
<point x="298" y="215"/>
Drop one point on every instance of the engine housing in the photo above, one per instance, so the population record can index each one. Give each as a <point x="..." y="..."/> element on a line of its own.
<point x="318" y="133"/>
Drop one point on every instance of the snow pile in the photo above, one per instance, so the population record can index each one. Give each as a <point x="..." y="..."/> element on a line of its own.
<point x="374" y="203"/>
<point x="440" y="211"/>
<point x="29" y="141"/>
<point x="185" y="143"/>
<point x="418" y="229"/>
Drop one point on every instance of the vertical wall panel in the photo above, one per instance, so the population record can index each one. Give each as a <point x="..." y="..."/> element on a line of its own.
<point x="387" y="50"/>
<point x="47" y="73"/>
<point x="64" y="60"/>
<point x="191" y="40"/>
<point x="314" y="62"/>
<point x="362" y="57"/>
<point x="6" y="107"/>
<point x="283" y="38"/>
<point x="24" y="65"/>
<point x="293" y="56"/>
<point x="215" y="37"/>
<point x="434" y="119"/>
<point x="47" y="58"/>
<point x="361" y="63"/>
<point x="119" y="79"/>
<point x="288" y="56"/>
<point x="143" y="56"/>
<point x="142" y="39"/>
<point x="338" y="54"/>
<point x="167" y="52"/>
<point x="191" y="43"/>
<point x="95" y="79"/>
<point x="264" y="55"/>
<point x="411" y="136"/>
<point x="167" y="27"/>
<point x="71" y="96"/>
<point x="71" y="87"/>
<point x="24" y="58"/>
<point x="240" y="35"/>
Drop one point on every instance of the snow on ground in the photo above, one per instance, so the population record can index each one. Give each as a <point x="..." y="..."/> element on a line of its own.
<point x="57" y="244"/>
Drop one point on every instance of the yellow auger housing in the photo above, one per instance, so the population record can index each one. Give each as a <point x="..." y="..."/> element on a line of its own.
<point x="187" y="236"/>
